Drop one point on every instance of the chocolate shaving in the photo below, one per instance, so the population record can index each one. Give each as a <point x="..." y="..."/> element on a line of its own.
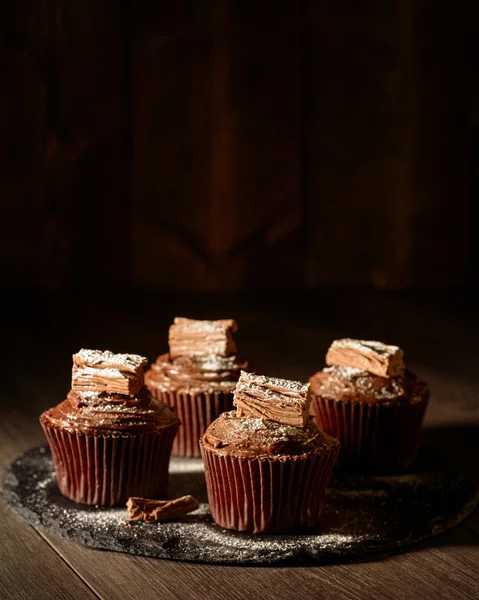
<point x="152" y="511"/>
<point x="279" y="400"/>
<point x="97" y="371"/>
<point x="188" y="337"/>
<point x="375" y="357"/>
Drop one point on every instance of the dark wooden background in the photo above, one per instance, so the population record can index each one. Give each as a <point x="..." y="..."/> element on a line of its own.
<point x="225" y="145"/>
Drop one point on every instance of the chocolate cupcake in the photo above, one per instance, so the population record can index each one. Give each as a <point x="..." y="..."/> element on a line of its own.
<point x="369" y="401"/>
<point x="109" y="439"/>
<point x="267" y="464"/>
<point x="197" y="377"/>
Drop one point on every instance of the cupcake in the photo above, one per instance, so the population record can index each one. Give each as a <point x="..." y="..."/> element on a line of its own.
<point x="369" y="401"/>
<point x="110" y="439"/>
<point x="267" y="464"/>
<point x="197" y="377"/>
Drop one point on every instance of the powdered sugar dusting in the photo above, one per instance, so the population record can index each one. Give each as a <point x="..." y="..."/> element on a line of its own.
<point x="108" y="360"/>
<point x="283" y="385"/>
<point x="274" y="430"/>
<point x="365" y="346"/>
<point x="360" y="517"/>
<point x="346" y="383"/>
<point x="205" y="326"/>
<point x="346" y="371"/>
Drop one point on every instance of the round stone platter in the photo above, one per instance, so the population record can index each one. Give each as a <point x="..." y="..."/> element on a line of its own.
<point x="364" y="517"/>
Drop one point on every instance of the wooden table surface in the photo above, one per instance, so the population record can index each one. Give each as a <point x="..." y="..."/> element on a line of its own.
<point x="288" y="334"/>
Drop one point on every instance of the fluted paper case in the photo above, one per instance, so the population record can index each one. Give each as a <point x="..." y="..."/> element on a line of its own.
<point x="374" y="437"/>
<point x="267" y="495"/>
<point x="196" y="412"/>
<point x="107" y="470"/>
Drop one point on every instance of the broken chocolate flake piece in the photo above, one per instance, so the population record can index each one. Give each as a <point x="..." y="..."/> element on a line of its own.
<point x="151" y="511"/>
<point x="374" y="357"/>
<point x="97" y="371"/>
<point x="188" y="337"/>
<point x="279" y="400"/>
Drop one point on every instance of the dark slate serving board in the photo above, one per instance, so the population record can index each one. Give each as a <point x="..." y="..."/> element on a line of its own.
<point x="364" y="517"/>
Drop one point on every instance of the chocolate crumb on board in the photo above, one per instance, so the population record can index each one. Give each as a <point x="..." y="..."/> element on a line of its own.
<point x="152" y="511"/>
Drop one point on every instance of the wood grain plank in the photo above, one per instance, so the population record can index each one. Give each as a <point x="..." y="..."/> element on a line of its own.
<point x="445" y="571"/>
<point x="18" y="431"/>
<point x="29" y="568"/>
<point x="216" y="166"/>
<point x="379" y="134"/>
<point x="64" y="164"/>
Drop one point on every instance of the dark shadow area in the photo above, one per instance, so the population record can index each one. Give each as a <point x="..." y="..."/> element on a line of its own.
<point x="458" y="443"/>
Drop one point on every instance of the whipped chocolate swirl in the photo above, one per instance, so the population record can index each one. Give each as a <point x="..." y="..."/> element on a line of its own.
<point x="367" y="371"/>
<point x="100" y="413"/>
<point x="356" y="385"/>
<point x="278" y="400"/>
<point x="271" y="420"/>
<point x="105" y="398"/>
<point x="375" y="357"/>
<point x="201" y="358"/>
<point x="189" y="337"/>
<point x="206" y="373"/>
<point x="96" y="371"/>
<point x="242" y="436"/>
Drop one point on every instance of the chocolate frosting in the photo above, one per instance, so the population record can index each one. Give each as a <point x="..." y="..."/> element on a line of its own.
<point x="356" y="385"/>
<point x="238" y="436"/>
<point x="103" y="413"/>
<point x="202" y="373"/>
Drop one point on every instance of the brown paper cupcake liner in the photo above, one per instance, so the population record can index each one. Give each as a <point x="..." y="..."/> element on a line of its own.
<point x="376" y="437"/>
<point x="267" y="495"/>
<point x="107" y="470"/>
<point x="196" y="413"/>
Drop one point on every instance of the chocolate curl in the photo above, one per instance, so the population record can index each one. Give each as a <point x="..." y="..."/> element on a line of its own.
<point x="279" y="400"/>
<point x="152" y="511"/>
<point x="96" y="371"/>
<point x="374" y="357"/>
<point x="188" y="337"/>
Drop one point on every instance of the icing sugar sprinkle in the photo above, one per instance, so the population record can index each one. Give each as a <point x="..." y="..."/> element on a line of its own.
<point x="107" y="359"/>
<point x="346" y="371"/>
<point x="351" y="529"/>
<point x="366" y="346"/>
<point x="201" y="326"/>
<point x="285" y="384"/>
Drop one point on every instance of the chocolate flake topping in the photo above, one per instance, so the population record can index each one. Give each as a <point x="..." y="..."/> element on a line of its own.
<point x="278" y="400"/>
<point x="97" y="371"/>
<point x="188" y="337"/>
<point x="375" y="357"/>
<point x="152" y="511"/>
